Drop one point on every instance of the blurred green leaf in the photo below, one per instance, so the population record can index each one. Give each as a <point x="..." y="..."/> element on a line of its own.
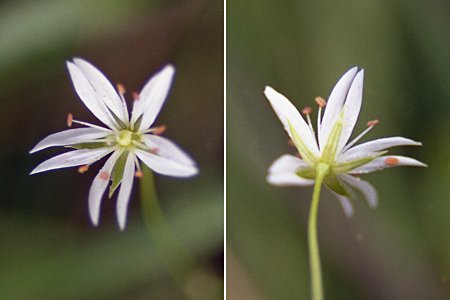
<point x="61" y="265"/>
<point x="29" y="27"/>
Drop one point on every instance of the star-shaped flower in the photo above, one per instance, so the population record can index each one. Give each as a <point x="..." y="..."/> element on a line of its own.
<point x="330" y="153"/>
<point x="127" y="138"/>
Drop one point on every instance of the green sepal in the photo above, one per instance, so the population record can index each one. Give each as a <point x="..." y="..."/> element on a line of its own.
<point x="307" y="173"/>
<point x="93" y="145"/>
<point x="302" y="148"/>
<point x="117" y="173"/>
<point x="353" y="164"/>
<point x="138" y="122"/>
<point x="336" y="185"/>
<point x="117" y="119"/>
<point x="330" y="150"/>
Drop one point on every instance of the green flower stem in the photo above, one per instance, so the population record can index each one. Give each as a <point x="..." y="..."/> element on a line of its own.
<point x="173" y="255"/>
<point x="314" y="257"/>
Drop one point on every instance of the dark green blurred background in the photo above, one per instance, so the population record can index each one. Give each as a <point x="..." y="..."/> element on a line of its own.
<point x="401" y="250"/>
<point x="49" y="249"/>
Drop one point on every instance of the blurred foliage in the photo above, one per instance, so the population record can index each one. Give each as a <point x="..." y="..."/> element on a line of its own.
<point x="49" y="248"/>
<point x="401" y="249"/>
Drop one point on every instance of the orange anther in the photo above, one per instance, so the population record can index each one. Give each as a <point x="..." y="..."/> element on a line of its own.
<point x="103" y="175"/>
<point x="154" y="150"/>
<point x="69" y="119"/>
<point x="392" y="161"/>
<point x="135" y="96"/>
<point x="307" y="110"/>
<point x="372" y="123"/>
<point x="321" y="102"/>
<point x="159" y="130"/>
<point x="138" y="174"/>
<point x="121" y="88"/>
<point x="83" y="169"/>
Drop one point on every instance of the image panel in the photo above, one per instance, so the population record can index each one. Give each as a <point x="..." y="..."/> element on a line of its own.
<point x="116" y="109"/>
<point x="377" y="69"/>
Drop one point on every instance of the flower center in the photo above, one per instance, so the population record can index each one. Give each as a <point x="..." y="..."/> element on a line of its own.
<point x="124" y="138"/>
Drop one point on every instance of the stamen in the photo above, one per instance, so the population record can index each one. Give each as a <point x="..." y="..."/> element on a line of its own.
<point x="306" y="111"/>
<point x="69" y="119"/>
<point x="90" y="125"/>
<point x="319" y="121"/>
<point x="321" y="102"/>
<point x="391" y="161"/>
<point x="83" y="169"/>
<point x="159" y="130"/>
<point x="154" y="150"/>
<point x="103" y="175"/>
<point x="135" y="96"/>
<point x="138" y="173"/>
<point x="121" y="88"/>
<point x="370" y="125"/>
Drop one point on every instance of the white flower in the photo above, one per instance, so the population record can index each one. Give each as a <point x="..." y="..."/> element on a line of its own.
<point x="128" y="139"/>
<point x="331" y="150"/>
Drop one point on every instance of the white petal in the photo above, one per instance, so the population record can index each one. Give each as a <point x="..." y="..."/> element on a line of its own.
<point x="166" y="166"/>
<point x="71" y="159"/>
<point x="152" y="97"/>
<point x="369" y="148"/>
<point x="346" y="205"/>
<point x="89" y="97"/>
<point x="334" y="105"/>
<point x="366" y="188"/>
<point x="287" y="163"/>
<point x="99" y="185"/>
<point x="103" y="88"/>
<point x="379" y="163"/>
<point x="70" y="137"/>
<point x="125" y="191"/>
<point x="167" y="149"/>
<point x="282" y="172"/>
<point x="288" y="179"/>
<point x="352" y="107"/>
<point x="286" y="111"/>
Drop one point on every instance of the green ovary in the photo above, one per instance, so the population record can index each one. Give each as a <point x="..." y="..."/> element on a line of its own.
<point x="125" y="138"/>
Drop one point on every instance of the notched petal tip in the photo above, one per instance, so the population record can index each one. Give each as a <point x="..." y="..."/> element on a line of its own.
<point x="269" y="92"/>
<point x="79" y="60"/>
<point x="346" y="205"/>
<point x="34" y="150"/>
<point x="94" y="222"/>
<point x="170" y="67"/>
<point x="195" y="171"/>
<point x="69" y="63"/>
<point x="169" y="71"/>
